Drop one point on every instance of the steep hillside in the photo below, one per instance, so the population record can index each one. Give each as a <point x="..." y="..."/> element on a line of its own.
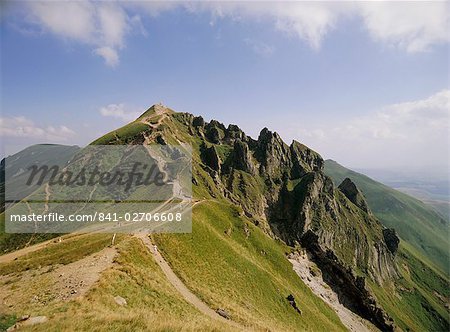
<point x="414" y="221"/>
<point x="227" y="262"/>
<point x="39" y="155"/>
<point x="257" y="202"/>
<point x="282" y="189"/>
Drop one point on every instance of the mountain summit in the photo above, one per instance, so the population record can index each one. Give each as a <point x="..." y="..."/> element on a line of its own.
<point x="258" y="202"/>
<point x="282" y="189"/>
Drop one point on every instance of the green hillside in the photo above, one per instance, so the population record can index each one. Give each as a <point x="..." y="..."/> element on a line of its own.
<point x="230" y="263"/>
<point x="254" y="202"/>
<point x="414" y="221"/>
<point x="248" y="276"/>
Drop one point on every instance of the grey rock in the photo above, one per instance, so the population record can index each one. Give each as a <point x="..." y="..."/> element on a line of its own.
<point x="242" y="159"/>
<point x="292" y="302"/>
<point x="391" y="239"/>
<point x="120" y="300"/>
<point x="198" y="121"/>
<point x="35" y="320"/>
<point x="349" y="189"/>
<point x="211" y="158"/>
<point x="223" y="313"/>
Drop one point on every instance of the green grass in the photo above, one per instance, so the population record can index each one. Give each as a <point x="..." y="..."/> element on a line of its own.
<point x="7" y="321"/>
<point x="248" y="275"/>
<point x="14" y="241"/>
<point x="67" y="251"/>
<point x="414" y="221"/>
<point x="223" y="151"/>
<point x="413" y="303"/>
<point x="123" y="135"/>
<point x="153" y="304"/>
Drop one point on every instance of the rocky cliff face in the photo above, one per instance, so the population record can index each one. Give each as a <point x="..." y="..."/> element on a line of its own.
<point x="355" y="196"/>
<point x="283" y="189"/>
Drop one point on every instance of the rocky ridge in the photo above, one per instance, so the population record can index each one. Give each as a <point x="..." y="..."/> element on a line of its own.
<point x="284" y="190"/>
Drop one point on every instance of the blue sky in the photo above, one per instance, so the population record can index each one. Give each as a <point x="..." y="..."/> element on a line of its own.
<point x="364" y="84"/>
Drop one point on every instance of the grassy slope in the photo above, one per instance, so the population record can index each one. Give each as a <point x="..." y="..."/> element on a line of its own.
<point x="213" y="224"/>
<point x="250" y="276"/>
<point x="71" y="249"/>
<point x="123" y="134"/>
<point x="413" y="303"/>
<point x="152" y="303"/>
<point x="414" y="221"/>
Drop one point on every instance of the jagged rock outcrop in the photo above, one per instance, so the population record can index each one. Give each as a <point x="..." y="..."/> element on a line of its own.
<point x="233" y="132"/>
<point x="351" y="289"/>
<point x="242" y="158"/>
<point x="272" y="153"/>
<point x="215" y="131"/>
<point x="284" y="191"/>
<point x="304" y="160"/>
<point x="355" y="196"/>
<point x="391" y="239"/>
<point x="198" y="121"/>
<point x="211" y="158"/>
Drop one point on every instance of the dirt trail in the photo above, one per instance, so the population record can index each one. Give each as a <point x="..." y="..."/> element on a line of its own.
<point x="160" y="110"/>
<point x="55" y="282"/>
<point x="303" y="266"/>
<point x="180" y="286"/>
<point x="47" y="197"/>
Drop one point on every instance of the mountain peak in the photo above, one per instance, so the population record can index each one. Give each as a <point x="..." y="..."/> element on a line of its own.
<point x="156" y="109"/>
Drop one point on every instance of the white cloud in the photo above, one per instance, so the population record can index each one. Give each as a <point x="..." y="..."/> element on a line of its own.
<point x="113" y="24"/>
<point x="414" y="27"/>
<point x="409" y="26"/>
<point x="309" y="21"/>
<point x="22" y="127"/>
<point x="109" y="55"/>
<point x="119" y="111"/>
<point x="73" y="20"/>
<point x="407" y="133"/>
<point x="103" y="25"/>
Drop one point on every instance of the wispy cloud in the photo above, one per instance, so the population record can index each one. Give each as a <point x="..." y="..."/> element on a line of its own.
<point x="411" y="26"/>
<point x="120" y="111"/>
<point x="109" y="54"/>
<point x="22" y="127"/>
<point x="104" y="25"/>
<point x="399" y="134"/>
<point x="408" y="26"/>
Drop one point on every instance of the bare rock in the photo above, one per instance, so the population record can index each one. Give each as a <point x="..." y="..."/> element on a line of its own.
<point x="292" y="302"/>
<point x="223" y="313"/>
<point x="242" y="159"/>
<point x="349" y="189"/>
<point x="120" y="300"/>
<point x="391" y="239"/>
<point x="211" y="158"/>
<point x="28" y="321"/>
